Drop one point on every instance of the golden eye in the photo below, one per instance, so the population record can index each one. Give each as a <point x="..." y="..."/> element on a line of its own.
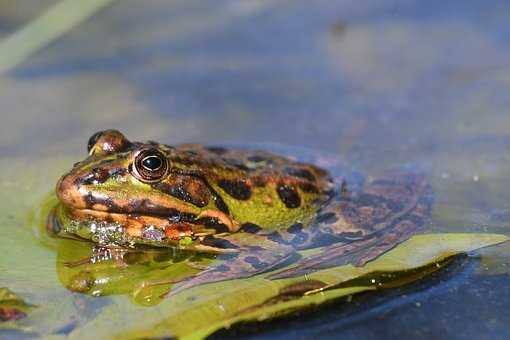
<point x="150" y="165"/>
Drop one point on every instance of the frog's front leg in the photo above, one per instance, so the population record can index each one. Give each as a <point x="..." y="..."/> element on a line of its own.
<point x="364" y="225"/>
<point x="255" y="254"/>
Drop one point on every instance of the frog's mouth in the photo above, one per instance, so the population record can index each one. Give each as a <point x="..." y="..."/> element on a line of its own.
<point x="173" y="226"/>
<point x="132" y="225"/>
<point x="118" y="229"/>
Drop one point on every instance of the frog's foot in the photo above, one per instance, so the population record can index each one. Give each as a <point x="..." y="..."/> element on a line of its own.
<point x="387" y="212"/>
<point x="250" y="261"/>
<point x="357" y="253"/>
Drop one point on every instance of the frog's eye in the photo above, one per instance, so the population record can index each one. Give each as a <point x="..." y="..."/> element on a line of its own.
<point x="150" y="165"/>
<point x="93" y="140"/>
<point x="107" y="141"/>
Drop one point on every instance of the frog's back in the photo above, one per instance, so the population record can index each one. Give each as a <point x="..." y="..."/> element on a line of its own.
<point x="257" y="186"/>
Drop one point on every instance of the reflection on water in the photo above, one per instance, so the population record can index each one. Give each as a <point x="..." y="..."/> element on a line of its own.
<point x="144" y="275"/>
<point x="378" y="84"/>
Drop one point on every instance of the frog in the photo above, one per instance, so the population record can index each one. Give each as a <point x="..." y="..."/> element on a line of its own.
<point x="254" y="209"/>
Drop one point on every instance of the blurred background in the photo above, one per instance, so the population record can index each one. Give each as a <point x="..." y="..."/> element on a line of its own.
<point x="375" y="83"/>
<point x="395" y="77"/>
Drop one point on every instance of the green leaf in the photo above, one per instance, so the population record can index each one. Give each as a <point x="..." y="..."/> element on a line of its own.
<point x="203" y="310"/>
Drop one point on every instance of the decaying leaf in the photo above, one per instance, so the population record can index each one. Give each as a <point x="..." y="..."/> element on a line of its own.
<point x="12" y="307"/>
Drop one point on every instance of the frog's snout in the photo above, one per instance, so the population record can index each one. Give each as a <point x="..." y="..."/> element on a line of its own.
<point x="68" y="193"/>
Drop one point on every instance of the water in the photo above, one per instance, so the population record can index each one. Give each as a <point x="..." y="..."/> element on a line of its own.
<point x="378" y="84"/>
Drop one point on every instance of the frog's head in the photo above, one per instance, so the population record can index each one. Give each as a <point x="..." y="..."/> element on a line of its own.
<point x="134" y="184"/>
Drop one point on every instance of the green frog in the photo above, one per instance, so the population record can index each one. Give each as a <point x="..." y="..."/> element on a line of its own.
<point x="253" y="208"/>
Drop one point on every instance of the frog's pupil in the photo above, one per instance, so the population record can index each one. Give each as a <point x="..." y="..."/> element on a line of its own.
<point x="152" y="163"/>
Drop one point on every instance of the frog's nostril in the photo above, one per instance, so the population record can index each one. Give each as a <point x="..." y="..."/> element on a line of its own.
<point x="100" y="175"/>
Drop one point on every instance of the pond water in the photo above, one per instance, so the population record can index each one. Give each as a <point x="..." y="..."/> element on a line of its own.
<point x="378" y="84"/>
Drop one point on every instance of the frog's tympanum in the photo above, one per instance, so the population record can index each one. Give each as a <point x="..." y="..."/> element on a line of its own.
<point x="255" y="208"/>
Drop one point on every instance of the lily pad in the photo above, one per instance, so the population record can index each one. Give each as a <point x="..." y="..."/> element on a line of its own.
<point x="203" y="310"/>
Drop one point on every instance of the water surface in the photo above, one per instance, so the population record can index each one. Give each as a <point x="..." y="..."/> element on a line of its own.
<point x="378" y="84"/>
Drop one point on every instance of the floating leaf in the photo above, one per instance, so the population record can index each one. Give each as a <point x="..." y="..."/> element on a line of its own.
<point x="203" y="310"/>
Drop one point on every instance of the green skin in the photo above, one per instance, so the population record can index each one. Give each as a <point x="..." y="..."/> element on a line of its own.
<point x="255" y="207"/>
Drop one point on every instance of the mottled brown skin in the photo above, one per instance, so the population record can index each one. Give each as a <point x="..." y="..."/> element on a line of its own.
<point x="258" y="207"/>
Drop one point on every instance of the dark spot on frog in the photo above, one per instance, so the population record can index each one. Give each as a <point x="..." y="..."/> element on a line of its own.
<point x="301" y="173"/>
<point x="218" y="150"/>
<point x="146" y="206"/>
<point x="213" y="223"/>
<point x="250" y="228"/>
<point x="91" y="200"/>
<point x="176" y="216"/>
<point x="255" y="262"/>
<point x="220" y="204"/>
<point x="289" y="196"/>
<point x="328" y="218"/>
<point x="237" y="189"/>
<point x="188" y="191"/>
<point x="218" y="243"/>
